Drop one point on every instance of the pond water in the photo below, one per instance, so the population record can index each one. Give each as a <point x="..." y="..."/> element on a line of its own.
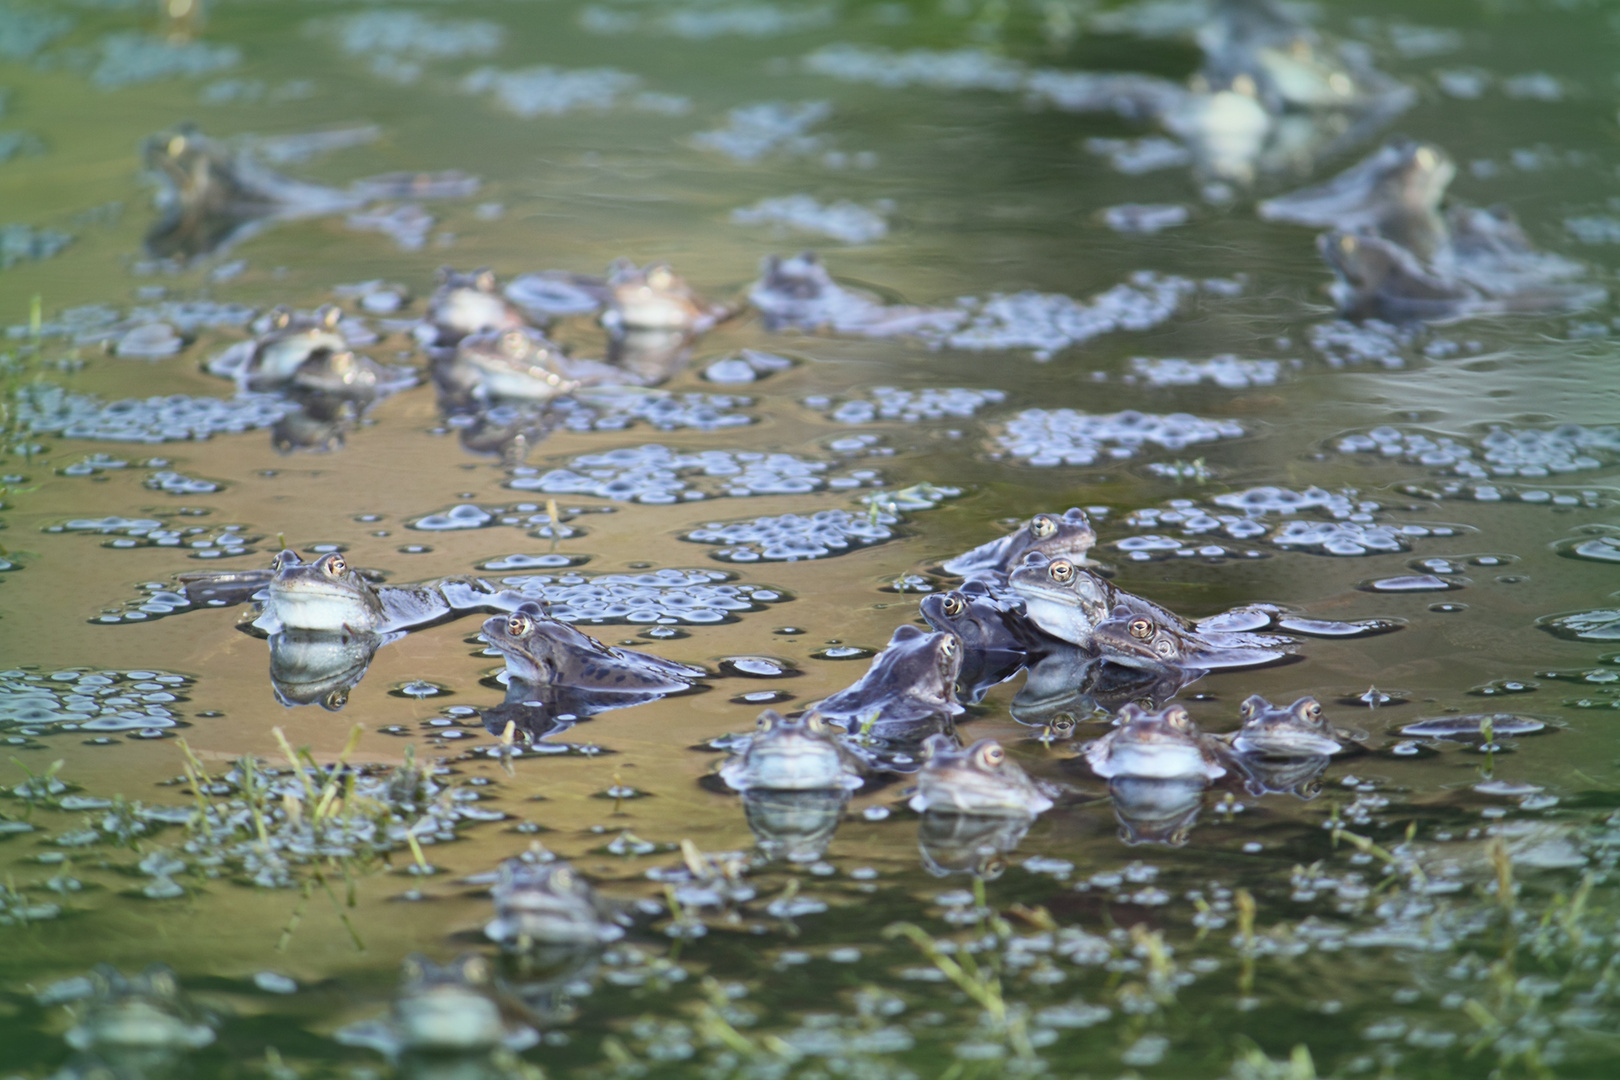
<point x="1105" y="322"/>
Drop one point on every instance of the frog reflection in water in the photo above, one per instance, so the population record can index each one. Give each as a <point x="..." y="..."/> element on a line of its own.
<point x="548" y="904"/>
<point x="796" y="825"/>
<point x="541" y="652"/>
<point x="786" y="754"/>
<point x="441" y="1009"/>
<point x="148" y="1012"/>
<point x="308" y="667"/>
<point x="1163" y="745"/>
<point x="909" y="690"/>
<point x="1068" y="536"/>
<point x="981" y="780"/>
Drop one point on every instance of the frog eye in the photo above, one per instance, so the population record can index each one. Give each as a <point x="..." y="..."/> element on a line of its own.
<point x="660" y="277"/>
<point x="1244" y="84"/>
<point x="815" y="724"/>
<point x="1041" y="526"/>
<point x="1141" y="628"/>
<point x="1426" y="158"/>
<point x="1246" y="710"/>
<point x="947" y="647"/>
<point x="484" y="281"/>
<point x="1165" y="647"/>
<point x="514" y="343"/>
<point x="1348" y="244"/>
<point x="991" y="754"/>
<point x="162" y="983"/>
<point x="280" y="319"/>
<point x="330" y="315"/>
<point x="563" y="877"/>
<point x="954" y="606"/>
<point x="1062" y="571"/>
<point x="1309" y="709"/>
<point x="1177" y="717"/>
<point x="335" y="700"/>
<point x="333" y="566"/>
<point x="1062" y="726"/>
<point x="518" y="624"/>
<point x="475" y="969"/>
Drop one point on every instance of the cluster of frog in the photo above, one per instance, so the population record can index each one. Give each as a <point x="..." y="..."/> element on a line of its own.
<point x="1398" y="256"/>
<point x="1029" y="601"/>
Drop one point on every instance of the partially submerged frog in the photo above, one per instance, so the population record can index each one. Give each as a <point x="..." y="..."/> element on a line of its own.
<point x="980" y="780"/>
<point x="798" y="293"/>
<point x="1297" y="730"/>
<point x="519" y="364"/>
<point x="1163" y="745"/>
<point x="328" y="595"/>
<point x="910" y="687"/>
<point x="1066" y="536"/>
<point x="787" y="754"/>
<point x="541" y="651"/>
<point x="466" y="304"/>
<point x="1136" y="637"/>
<point x="548" y="904"/>
<point x="1376" y="278"/>
<point x="1068" y="601"/>
<point x="997" y="640"/>
<point x="1394" y="193"/>
<point x="271" y="360"/>
<point x="146" y="1012"/>
<point x="654" y="297"/>
<point x="442" y="1009"/>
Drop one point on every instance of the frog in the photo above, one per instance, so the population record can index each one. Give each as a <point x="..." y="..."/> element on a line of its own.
<point x="1395" y="193"/>
<point x="1067" y="601"/>
<point x="1162" y="745"/>
<point x="544" y="652"/>
<point x="1292" y="731"/>
<point x="910" y="687"/>
<point x="146" y="1012"/>
<point x="997" y="640"/>
<point x="442" y="1009"/>
<point x="798" y="293"/>
<point x="794" y="824"/>
<point x="308" y="667"/>
<point x="1377" y="278"/>
<point x="330" y="596"/>
<point x="1142" y="638"/>
<point x="211" y="196"/>
<point x="465" y="304"/>
<point x="548" y="903"/>
<point x="517" y="364"/>
<point x="1067" y="536"/>
<point x="272" y="359"/>
<point x="655" y="297"/>
<point x="980" y="780"/>
<point x="792" y="754"/>
<point x="1155" y="810"/>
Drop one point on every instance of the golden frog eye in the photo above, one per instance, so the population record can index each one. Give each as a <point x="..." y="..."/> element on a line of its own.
<point x="1348" y="244"/>
<point x="947" y="647"/>
<point x="562" y="877"/>
<point x="1141" y="628"/>
<point x="815" y="725"/>
<point x="177" y="146"/>
<point x="329" y="315"/>
<point x="518" y="624"/>
<point x="1177" y="717"/>
<point x="484" y="281"/>
<point x="513" y="343"/>
<point x="1041" y="526"/>
<point x="1246" y="710"/>
<point x="475" y="969"/>
<point x="991" y="755"/>
<point x="333" y="566"/>
<point x="954" y="606"/>
<point x="1062" y="571"/>
<point x="660" y="277"/>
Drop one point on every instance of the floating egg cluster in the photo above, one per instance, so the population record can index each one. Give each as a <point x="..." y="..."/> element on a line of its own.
<point x="1527" y="452"/>
<point x="1049" y="322"/>
<point x="173" y="483"/>
<point x="45" y="409"/>
<point x="1225" y="371"/>
<point x="659" y="474"/>
<point x="909" y="406"/>
<point x="788" y="537"/>
<point x="658" y="596"/>
<point x="204" y="542"/>
<point x="666" y="412"/>
<point x="1353" y="532"/>
<point x="89" y="700"/>
<point x="520" y="515"/>
<point x="1049" y="437"/>
<point x="96" y="324"/>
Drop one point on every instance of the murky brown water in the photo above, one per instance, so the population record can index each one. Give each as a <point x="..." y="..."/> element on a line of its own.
<point x="988" y="197"/>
